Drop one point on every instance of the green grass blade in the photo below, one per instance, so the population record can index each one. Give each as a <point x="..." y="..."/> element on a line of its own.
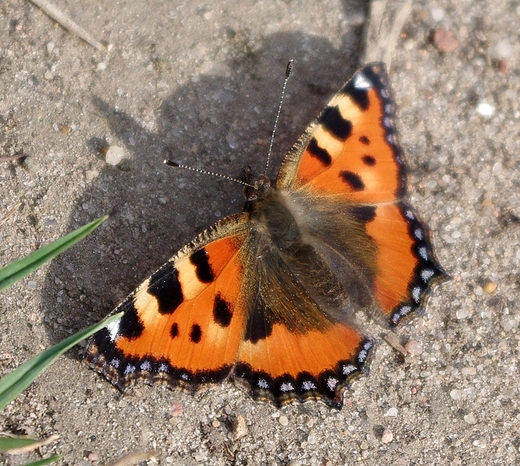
<point x="50" y="460"/>
<point x="8" y="443"/>
<point x="17" y="381"/>
<point x="23" y="267"/>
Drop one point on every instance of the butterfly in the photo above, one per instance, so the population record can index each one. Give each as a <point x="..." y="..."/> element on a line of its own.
<point x="267" y="296"/>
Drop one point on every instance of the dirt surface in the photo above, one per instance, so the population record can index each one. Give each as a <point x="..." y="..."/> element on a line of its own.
<point x="199" y="82"/>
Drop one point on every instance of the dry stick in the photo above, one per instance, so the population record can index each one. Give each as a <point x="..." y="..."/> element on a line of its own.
<point x="10" y="158"/>
<point x="382" y="30"/>
<point x="134" y="458"/>
<point x="67" y="23"/>
<point x="11" y="212"/>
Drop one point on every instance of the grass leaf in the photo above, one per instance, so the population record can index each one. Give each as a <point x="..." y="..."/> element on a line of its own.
<point x="8" y="443"/>
<point x="17" y="381"/>
<point x="23" y="267"/>
<point x="50" y="460"/>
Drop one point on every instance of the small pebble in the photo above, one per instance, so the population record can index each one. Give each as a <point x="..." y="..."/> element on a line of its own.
<point x="114" y="155"/>
<point x="502" y="65"/>
<point x="31" y="164"/>
<point x="470" y="419"/>
<point x="437" y="14"/>
<point x="490" y="287"/>
<point x="91" y="175"/>
<point x="456" y="394"/>
<point x="485" y="109"/>
<point x="239" y="428"/>
<point x="413" y="348"/>
<point x="387" y="436"/>
<point x="215" y="423"/>
<point x="503" y="50"/>
<point x="283" y="420"/>
<point x="444" y="40"/>
<point x="392" y="412"/>
<point x="177" y="410"/>
<point x="469" y="371"/>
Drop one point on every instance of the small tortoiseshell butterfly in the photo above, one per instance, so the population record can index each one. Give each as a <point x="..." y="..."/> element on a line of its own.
<point x="267" y="296"/>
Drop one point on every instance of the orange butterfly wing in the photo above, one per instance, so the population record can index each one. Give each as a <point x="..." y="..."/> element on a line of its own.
<point x="183" y="325"/>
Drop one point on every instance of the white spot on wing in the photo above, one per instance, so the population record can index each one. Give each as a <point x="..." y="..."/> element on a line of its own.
<point x="287" y="387"/>
<point x="146" y="366"/>
<point x="426" y="274"/>
<point x="163" y="368"/>
<point x="129" y="369"/>
<point x="423" y="252"/>
<point x="348" y="369"/>
<point x="113" y="329"/>
<point x="418" y="233"/>
<point x="361" y="82"/>
<point x="416" y="293"/>
<point x="115" y="363"/>
<point x="331" y="383"/>
<point x="262" y="383"/>
<point x="308" y="385"/>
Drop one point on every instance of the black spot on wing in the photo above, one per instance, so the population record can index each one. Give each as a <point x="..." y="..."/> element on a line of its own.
<point x="353" y="180"/>
<point x="359" y="96"/>
<point x="222" y="312"/>
<point x="165" y="286"/>
<point x="364" y="140"/>
<point x="202" y="267"/>
<point x="196" y="333"/>
<point x="174" y="330"/>
<point x="332" y="120"/>
<point x="131" y="325"/>
<point x="363" y="214"/>
<point x="369" y="160"/>
<point x="321" y="154"/>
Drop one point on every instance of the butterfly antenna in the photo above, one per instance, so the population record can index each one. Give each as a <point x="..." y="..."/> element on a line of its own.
<point x="205" y="172"/>
<point x="288" y="72"/>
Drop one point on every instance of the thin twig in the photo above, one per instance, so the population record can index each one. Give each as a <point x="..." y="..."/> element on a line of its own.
<point x="11" y="212"/>
<point x="383" y="28"/>
<point x="393" y="340"/>
<point x="10" y="158"/>
<point x="134" y="458"/>
<point x="67" y="23"/>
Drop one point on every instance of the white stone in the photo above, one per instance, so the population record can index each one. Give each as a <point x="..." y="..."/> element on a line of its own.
<point x="114" y="155"/>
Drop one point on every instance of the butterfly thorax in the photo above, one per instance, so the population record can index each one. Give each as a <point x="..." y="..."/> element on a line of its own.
<point x="270" y="213"/>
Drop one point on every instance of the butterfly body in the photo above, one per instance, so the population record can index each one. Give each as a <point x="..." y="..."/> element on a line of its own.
<point x="268" y="296"/>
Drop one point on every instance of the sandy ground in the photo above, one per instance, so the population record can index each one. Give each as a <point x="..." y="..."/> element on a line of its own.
<point x="199" y="81"/>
